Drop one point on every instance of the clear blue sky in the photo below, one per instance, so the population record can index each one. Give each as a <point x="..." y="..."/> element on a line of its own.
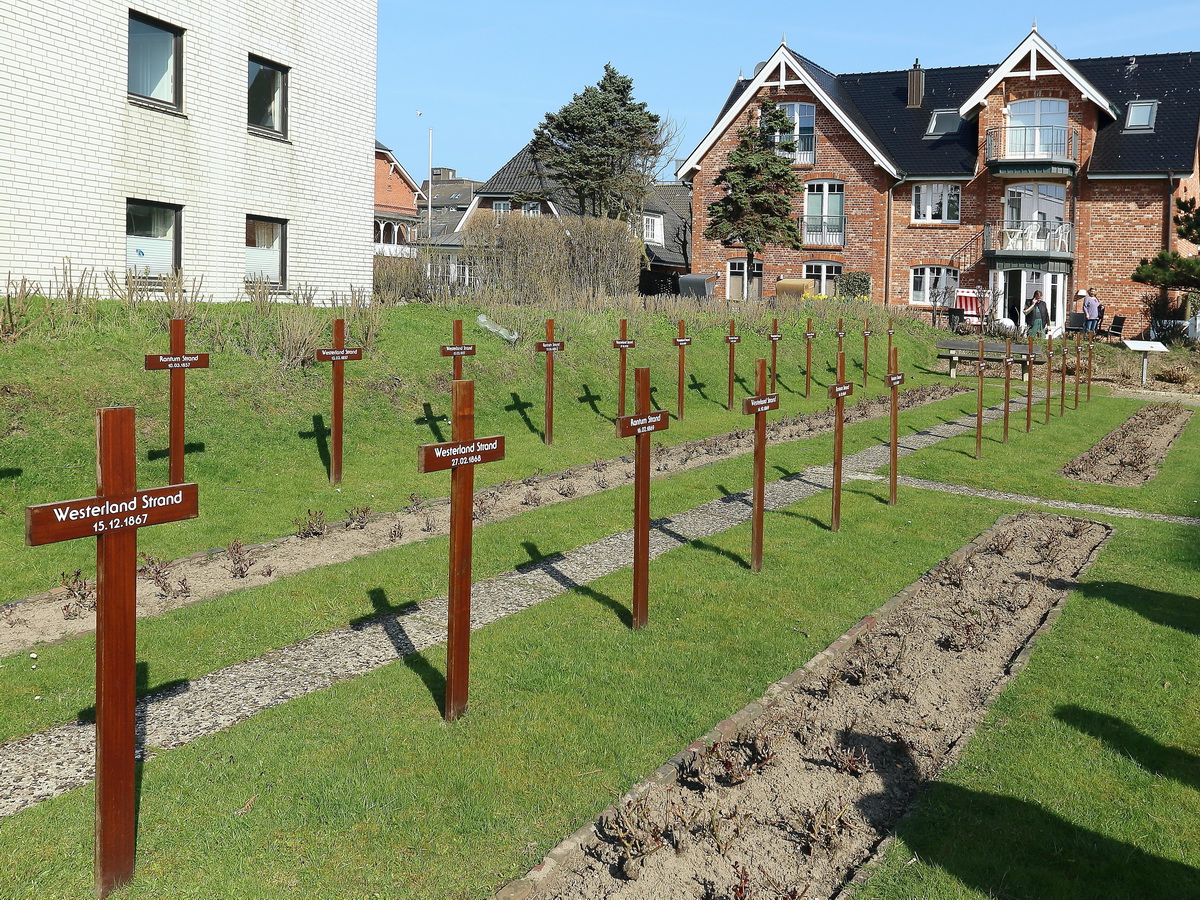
<point x="483" y="74"/>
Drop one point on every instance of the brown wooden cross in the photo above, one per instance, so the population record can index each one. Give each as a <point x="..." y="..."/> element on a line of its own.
<point x="732" y="339"/>
<point x="809" y="334"/>
<point x="1062" y="382"/>
<point x="894" y="379"/>
<point x="339" y="354"/>
<point x="838" y="392"/>
<point x="1091" y="341"/>
<point x="457" y="350"/>
<point x="639" y="426"/>
<point x="774" y="337"/>
<point x="758" y="406"/>
<point x="1008" y="364"/>
<point x="1029" y="389"/>
<point x="549" y="346"/>
<point x="891" y="330"/>
<point x="113" y="516"/>
<point x="866" y="349"/>
<point x="622" y="345"/>
<point x="1078" y="367"/>
<point x="841" y="333"/>
<point x="460" y="455"/>
<point x="979" y="407"/>
<point x="681" y="342"/>
<point x="177" y="362"/>
<point x="1049" y="374"/>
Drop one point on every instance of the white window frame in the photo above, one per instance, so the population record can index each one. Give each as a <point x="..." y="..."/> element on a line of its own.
<point x="832" y="228"/>
<point x="737" y="268"/>
<point x="932" y="131"/>
<point x="531" y="210"/>
<point x="924" y="279"/>
<point x="144" y="252"/>
<point x="1148" y="125"/>
<point x="805" y="152"/>
<point x="279" y="123"/>
<point x="652" y="228"/>
<point x="254" y="267"/>
<point x="174" y="66"/>
<point x="823" y="278"/>
<point x="501" y="208"/>
<point x="925" y="197"/>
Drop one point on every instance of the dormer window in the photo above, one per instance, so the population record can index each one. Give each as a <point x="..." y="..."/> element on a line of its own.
<point x="943" y="121"/>
<point x="1140" y="115"/>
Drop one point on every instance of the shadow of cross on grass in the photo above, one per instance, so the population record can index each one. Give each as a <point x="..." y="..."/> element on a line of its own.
<point x="545" y="562"/>
<point x="10" y="473"/>
<point x="387" y="615"/>
<point x="1125" y="740"/>
<point x="591" y="399"/>
<point x="662" y="525"/>
<point x="519" y="406"/>
<point x="432" y="419"/>
<point x="321" y="434"/>
<point x="194" y="447"/>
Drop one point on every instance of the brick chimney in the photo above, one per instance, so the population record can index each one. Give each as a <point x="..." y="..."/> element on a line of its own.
<point x="916" y="85"/>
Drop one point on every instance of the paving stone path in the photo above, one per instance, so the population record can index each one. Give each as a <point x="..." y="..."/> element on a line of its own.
<point x="47" y="764"/>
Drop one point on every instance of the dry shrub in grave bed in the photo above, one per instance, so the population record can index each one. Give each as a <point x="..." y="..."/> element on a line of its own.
<point x="1130" y="454"/>
<point x="791" y="802"/>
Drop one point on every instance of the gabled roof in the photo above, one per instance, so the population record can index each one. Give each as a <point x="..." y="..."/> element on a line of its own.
<point x="522" y="174"/>
<point x="395" y="163"/>
<point x="787" y="68"/>
<point x="674" y="203"/>
<point x="1030" y="48"/>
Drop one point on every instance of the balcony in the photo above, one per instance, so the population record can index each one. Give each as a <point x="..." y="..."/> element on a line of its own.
<point x="1020" y="151"/>
<point x="804" y="149"/>
<point x="1029" y="244"/>
<point x="824" y="231"/>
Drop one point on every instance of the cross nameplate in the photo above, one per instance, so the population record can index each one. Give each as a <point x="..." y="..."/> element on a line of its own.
<point x="751" y="405"/>
<point x="840" y="391"/>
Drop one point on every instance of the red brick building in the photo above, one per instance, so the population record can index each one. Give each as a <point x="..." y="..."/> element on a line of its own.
<point x="1039" y="173"/>
<point x="395" y="204"/>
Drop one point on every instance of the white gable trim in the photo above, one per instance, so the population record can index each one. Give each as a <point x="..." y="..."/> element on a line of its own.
<point x="470" y="209"/>
<point x="774" y="74"/>
<point x="395" y="166"/>
<point x="1035" y="46"/>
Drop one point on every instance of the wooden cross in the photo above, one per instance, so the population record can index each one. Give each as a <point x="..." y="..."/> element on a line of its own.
<point x="841" y="333"/>
<point x="457" y="350"/>
<point x="113" y="517"/>
<point x="979" y="407"/>
<point x="1091" y="341"/>
<point x="1049" y="374"/>
<point x="838" y="392"/>
<point x="177" y="362"/>
<point x="622" y="345"/>
<point x="891" y="329"/>
<point x="549" y="346"/>
<point x="866" y="350"/>
<point x="1062" y="382"/>
<point x="339" y="354"/>
<point x="1078" y="368"/>
<point x="809" y="334"/>
<point x="681" y="342"/>
<point x="460" y="455"/>
<point x="774" y="337"/>
<point x="758" y="406"/>
<point x="894" y="379"/>
<point x="640" y="426"/>
<point x="732" y="340"/>
<point x="1029" y="388"/>
<point x="1008" y="363"/>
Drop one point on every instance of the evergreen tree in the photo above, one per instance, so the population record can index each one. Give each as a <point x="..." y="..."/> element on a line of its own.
<point x="603" y="147"/>
<point x="1170" y="269"/>
<point x="759" y="185"/>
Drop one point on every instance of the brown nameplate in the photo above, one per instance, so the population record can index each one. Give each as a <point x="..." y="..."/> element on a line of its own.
<point x="179" y="361"/>
<point x="682" y="342"/>
<point x="841" y="334"/>
<point x="751" y="405"/>
<point x="733" y="338"/>
<point x="775" y="337"/>
<point x="839" y="391"/>
<point x="810" y="335"/>
<point x="458" y="350"/>
<point x="894" y="379"/>
<point x="624" y="344"/>
<point x="642" y="423"/>
<point x="49" y="523"/>
<point x="333" y="354"/>
<point x="548" y="346"/>
<point x="452" y="454"/>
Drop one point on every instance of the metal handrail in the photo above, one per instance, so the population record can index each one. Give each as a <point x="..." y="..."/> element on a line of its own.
<point x="1026" y="142"/>
<point x="826" y="231"/>
<point x="1029" y="236"/>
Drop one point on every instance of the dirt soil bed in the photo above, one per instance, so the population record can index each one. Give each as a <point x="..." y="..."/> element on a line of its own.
<point x="1130" y="454"/>
<point x="790" y="803"/>
<point x="167" y="585"/>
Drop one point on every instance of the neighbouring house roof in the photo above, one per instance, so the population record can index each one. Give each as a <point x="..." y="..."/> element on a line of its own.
<point x="876" y="103"/>
<point x="387" y="154"/>
<point x="674" y="203"/>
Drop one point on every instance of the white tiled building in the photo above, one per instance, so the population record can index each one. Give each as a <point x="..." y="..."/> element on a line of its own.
<point x="223" y="137"/>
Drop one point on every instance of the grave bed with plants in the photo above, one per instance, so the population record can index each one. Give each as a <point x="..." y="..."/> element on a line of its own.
<point x="1131" y="454"/>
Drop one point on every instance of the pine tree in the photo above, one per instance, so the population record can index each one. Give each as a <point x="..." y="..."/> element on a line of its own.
<point x="603" y="147"/>
<point x="1170" y="269"/>
<point x="759" y="185"/>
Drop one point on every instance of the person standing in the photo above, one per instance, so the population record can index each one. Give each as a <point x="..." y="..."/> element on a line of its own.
<point x="1091" y="311"/>
<point x="1036" y="315"/>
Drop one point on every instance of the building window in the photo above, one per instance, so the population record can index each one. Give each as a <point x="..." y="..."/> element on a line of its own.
<point x="532" y="210"/>
<point x="266" y="250"/>
<point x="266" y="97"/>
<point x="823" y="275"/>
<point x="933" y="285"/>
<point x="1037" y="129"/>
<point x="501" y="208"/>
<point x="824" y="213"/>
<point x="737" y="275"/>
<point x="151" y="237"/>
<point x="943" y="121"/>
<point x="935" y="202"/>
<point x="155" y="61"/>
<point x="803" y="136"/>
<point x="1141" y="115"/>
<point x="652" y="228"/>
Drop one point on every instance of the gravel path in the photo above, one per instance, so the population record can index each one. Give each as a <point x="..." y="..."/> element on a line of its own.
<point x="44" y="765"/>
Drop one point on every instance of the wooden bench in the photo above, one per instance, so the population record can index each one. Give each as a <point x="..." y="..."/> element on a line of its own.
<point x="993" y="352"/>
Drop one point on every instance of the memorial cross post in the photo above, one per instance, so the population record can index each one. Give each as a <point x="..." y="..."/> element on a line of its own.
<point x="339" y="354"/>
<point x="177" y="362"/>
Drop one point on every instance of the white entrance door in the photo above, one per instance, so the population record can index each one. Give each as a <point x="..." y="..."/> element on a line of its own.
<point x="1016" y="287"/>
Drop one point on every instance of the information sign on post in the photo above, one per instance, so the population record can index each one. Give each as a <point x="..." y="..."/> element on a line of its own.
<point x="622" y="345"/>
<point x="894" y="379"/>
<point x="681" y="342"/>
<point x="460" y="455"/>
<point x="549" y="346"/>
<point x="838" y="392"/>
<point x="640" y="426"/>
<point x="177" y="362"/>
<point x="339" y="354"/>
<point x="774" y="337"/>
<point x="113" y="517"/>
<point x="809" y="334"/>
<point x="758" y="406"/>
<point x="732" y="340"/>
<point x="457" y="350"/>
<point x="866" y="349"/>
